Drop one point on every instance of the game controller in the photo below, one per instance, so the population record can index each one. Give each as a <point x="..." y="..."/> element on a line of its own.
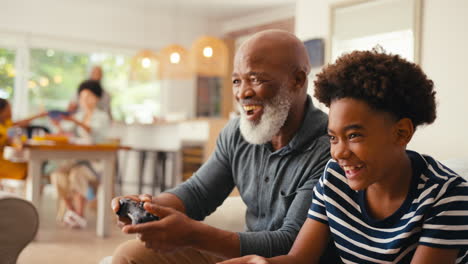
<point x="135" y="211"/>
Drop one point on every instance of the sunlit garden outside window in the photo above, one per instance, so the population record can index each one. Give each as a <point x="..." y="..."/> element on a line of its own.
<point x="7" y="73"/>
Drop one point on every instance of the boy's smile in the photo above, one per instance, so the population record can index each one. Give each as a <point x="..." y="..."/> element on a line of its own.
<point x="352" y="172"/>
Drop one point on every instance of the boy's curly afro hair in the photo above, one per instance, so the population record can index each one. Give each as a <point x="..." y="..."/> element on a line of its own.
<point x="386" y="82"/>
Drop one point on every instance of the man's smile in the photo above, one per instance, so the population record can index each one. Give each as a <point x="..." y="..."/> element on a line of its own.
<point x="253" y="111"/>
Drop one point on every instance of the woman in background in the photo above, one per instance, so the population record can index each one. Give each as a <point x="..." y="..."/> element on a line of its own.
<point x="73" y="178"/>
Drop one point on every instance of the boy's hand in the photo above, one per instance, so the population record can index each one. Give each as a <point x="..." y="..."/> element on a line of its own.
<point x="251" y="259"/>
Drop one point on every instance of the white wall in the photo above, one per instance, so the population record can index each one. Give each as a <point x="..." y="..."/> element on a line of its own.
<point x="101" y="22"/>
<point x="257" y="19"/>
<point x="443" y="58"/>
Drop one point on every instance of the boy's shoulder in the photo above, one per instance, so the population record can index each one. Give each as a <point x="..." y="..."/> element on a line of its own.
<point x="441" y="179"/>
<point x="436" y="171"/>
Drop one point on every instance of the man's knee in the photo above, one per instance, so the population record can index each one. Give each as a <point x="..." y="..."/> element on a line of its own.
<point x="133" y="252"/>
<point x="124" y="253"/>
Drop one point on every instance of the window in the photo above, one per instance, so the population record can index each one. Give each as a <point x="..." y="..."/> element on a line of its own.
<point x="132" y="100"/>
<point x="54" y="78"/>
<point x="7" y="73"/>
<point x="56" y="75"/>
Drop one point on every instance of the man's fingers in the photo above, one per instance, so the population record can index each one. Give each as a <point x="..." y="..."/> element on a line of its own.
<point x="145" y="198"/>
<point x="141" y="228"/>
<point x="115" y="202"/>
<point x="158" y="210"/>
<point x="123" y="221"/>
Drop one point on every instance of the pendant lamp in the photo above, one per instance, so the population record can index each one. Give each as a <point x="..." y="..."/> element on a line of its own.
<point x="175" y="64"/>
<point x="209" y="57"/>
<point x="145" y="66"/>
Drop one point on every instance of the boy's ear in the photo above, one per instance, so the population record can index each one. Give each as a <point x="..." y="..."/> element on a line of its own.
<point x="404" y="130"/>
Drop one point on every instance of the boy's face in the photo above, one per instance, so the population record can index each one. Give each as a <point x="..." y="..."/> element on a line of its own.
<point x="363" y="141"/>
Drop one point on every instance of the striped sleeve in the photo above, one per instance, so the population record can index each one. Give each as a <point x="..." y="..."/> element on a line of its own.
<point x="317" y="210"/>
<point x="446" y="224"/>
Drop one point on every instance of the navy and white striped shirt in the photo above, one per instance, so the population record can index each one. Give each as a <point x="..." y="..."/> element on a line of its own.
<point x="434" y="214"/>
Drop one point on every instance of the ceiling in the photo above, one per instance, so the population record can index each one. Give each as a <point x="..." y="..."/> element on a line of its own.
<point x="213" y="9"/>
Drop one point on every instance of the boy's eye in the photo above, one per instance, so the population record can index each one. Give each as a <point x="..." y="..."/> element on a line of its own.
<point x="353" y="135"/>
<point x="332" y="138"/>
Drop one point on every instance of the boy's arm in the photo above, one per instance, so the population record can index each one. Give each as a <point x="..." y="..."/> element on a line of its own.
<point x="430" y="255"/>
<point x="308" y="247"/>
<point x="311" y="242"/>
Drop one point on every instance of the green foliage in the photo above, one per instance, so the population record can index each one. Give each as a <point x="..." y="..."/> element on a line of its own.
<point x="7" y="73"/>
<point x="55" y="76"/>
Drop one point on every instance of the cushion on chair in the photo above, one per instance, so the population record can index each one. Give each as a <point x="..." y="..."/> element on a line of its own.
<point x="19" y="223"/>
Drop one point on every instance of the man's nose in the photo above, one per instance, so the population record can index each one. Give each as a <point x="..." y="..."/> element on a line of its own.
<point x="340" y="151"/>
<point x="244" y="91"/>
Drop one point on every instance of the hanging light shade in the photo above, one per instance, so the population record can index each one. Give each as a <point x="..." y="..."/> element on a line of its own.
<point x="209" y="56"/>
<point x="175" y="63"/>
<point x="145" y="66"/>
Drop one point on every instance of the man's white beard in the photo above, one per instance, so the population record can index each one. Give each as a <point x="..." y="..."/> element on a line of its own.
<point x="275" y="113"/>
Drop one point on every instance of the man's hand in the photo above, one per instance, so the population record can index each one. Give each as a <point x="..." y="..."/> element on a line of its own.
<point x="174" y="230"/>
<point x="123" y="221"/>
<point x="251" y="259"/>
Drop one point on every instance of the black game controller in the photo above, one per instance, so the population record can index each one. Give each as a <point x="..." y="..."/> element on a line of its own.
<point x="135" y="211"/>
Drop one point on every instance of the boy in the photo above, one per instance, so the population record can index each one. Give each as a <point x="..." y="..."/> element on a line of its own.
<point x="378" y="201"/>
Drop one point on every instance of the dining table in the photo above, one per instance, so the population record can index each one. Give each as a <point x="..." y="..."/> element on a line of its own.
<point x="39" y="152"/>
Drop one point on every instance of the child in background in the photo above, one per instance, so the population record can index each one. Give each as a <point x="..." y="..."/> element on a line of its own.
<point x="73" y="178"/>
<point x="379" y="202"/>
<point x="11" y="170"/>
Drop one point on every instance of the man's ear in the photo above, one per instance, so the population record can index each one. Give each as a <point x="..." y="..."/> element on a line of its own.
<point x="404" y="130"/>
<point x="300" y="77"/>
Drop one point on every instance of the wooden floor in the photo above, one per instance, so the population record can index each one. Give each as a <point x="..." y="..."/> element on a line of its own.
<point x="57" y="244"/>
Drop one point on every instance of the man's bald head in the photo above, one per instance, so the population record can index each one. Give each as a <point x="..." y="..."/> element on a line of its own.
<point x="276" y="47"/>
<point x="96" y="73"/>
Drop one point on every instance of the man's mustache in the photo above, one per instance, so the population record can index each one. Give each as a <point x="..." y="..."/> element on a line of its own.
<point x="250" y="102"/>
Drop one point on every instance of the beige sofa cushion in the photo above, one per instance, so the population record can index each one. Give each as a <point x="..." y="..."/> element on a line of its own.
<point x="229" y="216"/>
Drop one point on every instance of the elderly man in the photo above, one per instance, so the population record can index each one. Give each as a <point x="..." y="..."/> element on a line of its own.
<point x="274" y="154"/>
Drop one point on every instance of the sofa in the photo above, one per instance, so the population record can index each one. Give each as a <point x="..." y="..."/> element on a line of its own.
<point x="19" y="222"/>
<point x="229" y="216"/>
